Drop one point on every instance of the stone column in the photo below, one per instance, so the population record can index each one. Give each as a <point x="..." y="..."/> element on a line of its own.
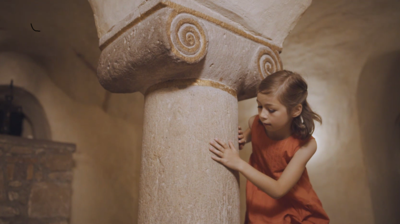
<point x="193" y="61"/>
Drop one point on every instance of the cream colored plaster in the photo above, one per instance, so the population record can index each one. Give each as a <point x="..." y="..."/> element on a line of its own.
<point x="269" y="19"/>
<point x="378" y="101"/>
<point x="108" y="13"/>
<point x="64" y="46"/>
<point x="105" y="180"/>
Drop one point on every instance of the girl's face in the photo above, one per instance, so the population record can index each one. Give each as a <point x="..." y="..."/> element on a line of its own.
<point x="273" y="114"/>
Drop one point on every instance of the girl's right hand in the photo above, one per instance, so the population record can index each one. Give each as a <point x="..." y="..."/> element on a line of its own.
<point x="241" y="141"/>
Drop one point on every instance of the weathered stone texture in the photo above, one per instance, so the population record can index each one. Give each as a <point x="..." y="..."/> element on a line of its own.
<point x="2" y="187"/>
<point x="177" y="169"/>
<point x="60" y="176"/>
<point x="49" y="200"/>
<point x="21" y="150"/>
<point x="35" y="181"/>
<point x="15" y="183"/>
<point x="58" y="162"/>
<point x="7" y="211"/>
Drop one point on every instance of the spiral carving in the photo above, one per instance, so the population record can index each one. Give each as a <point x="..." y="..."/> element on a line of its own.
<point x="268" y="62"/>
<point x="187" y="37"/>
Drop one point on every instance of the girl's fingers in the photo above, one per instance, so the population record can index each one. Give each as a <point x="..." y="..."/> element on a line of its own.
<point x="221" y="143"/>
<point x="217" y="146"/>
<point x="216" y="158"/>
<point x="231" y="145"/>
<point x="218" y="153"/>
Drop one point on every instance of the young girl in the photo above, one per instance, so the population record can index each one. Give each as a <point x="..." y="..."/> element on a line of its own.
<point x="278" y="189"/>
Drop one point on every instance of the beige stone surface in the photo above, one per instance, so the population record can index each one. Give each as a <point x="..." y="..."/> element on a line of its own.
<point x="180" y="183"/>
<point x="165" y="39"/>
<point x="257" y="17"/>
<point x="108" y="13"/>
<point x="269" y="19"/>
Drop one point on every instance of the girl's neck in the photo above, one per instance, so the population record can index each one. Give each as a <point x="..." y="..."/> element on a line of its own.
<point x="281" y="134"/>
<point x="278" y="136"/>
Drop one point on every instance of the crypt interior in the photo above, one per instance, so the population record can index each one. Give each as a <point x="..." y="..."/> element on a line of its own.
<point x="81" y="73"/>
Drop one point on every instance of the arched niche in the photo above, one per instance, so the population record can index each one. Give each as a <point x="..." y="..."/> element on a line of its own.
<point x="378" y="99"/>
<point x="35" y="123"/>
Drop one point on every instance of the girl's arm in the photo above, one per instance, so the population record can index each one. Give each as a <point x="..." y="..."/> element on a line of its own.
<point x="246" y="137"/>
<point x="229" y="157"/>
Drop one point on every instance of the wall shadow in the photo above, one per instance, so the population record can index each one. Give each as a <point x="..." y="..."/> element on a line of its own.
<point x="378" y="104"/>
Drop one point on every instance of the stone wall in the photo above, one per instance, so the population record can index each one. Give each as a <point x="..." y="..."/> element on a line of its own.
<point x="35" y="181"/>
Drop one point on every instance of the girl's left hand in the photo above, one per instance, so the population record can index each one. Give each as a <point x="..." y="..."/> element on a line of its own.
<point x="227" y="155"/>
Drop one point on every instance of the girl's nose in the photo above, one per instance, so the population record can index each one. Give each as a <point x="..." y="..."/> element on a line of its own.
<point x="264" y="114"/>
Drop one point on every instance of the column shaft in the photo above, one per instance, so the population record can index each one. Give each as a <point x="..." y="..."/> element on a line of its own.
<point x="180" y="183"/>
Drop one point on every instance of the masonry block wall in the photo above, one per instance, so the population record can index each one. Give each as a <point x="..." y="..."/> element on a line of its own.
<point x="35" y="181"/>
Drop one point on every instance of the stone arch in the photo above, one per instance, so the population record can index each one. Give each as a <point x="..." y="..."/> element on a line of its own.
<point x="35" y="116"/>
<point x="378" y="99"/>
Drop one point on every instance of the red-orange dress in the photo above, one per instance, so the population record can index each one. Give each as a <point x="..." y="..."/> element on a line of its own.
<point x="300" y="205"/>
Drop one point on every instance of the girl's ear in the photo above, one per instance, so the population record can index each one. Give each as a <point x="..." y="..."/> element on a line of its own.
<point x="297" y="110"/>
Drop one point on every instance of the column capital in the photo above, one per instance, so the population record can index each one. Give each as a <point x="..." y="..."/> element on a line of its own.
<point x="171" y="40"/>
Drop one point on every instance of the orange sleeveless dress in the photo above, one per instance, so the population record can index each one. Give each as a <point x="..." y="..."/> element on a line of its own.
<point x="300" y="205"/>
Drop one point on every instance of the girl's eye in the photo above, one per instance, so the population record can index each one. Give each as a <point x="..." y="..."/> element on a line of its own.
<point x="260" y="107"/>
<point x="271" y="111"/>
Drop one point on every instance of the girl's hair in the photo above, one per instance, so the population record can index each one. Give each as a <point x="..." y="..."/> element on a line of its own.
<point x="291" y="89"/>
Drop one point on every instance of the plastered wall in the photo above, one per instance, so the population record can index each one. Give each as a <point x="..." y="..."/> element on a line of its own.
<point x="378" y="101"/>
<point x="105" y="183"/>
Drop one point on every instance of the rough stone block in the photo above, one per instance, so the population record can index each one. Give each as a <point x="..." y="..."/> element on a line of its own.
<point x="38" y="176"/>
<point x="10" y="171"/>
<point x="60" y="222"/>
<point x="13" y="196"/>
<point x="19" y="170"/>
<point x="49" y="200"/>
<point x="29" y="172"/>
<point x="61" y="176"/>
<point x="15" y="184"/>
<point x="39" y="151"/>
<point x="21" y="150"/>
<point x="60" y="162"/>
<point x="6" y="211"/>
<point x="2" y="187"/>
